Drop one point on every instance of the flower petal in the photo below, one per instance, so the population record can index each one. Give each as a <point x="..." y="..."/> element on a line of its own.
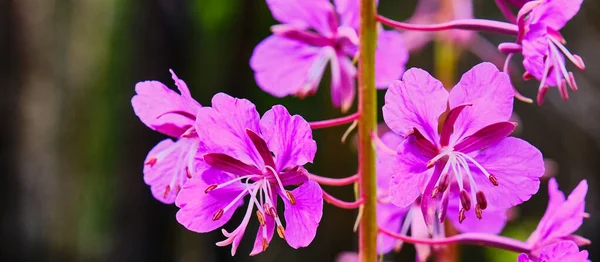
<point x="389" y="217"/>
<point x="162" y="109"/>
<point x="491" y="94"/>
<point x="222" y="128"/>
<point x="289" y="137"/>
<point x="563" y="251"/>
<point x="555" y="13"/>
<point x="485" y="137"/>
<point x="536" y="51"/>
<point x="493" y="219"/>
<point x="409" y="175"/>
<point x="415" y="102"/>
<point x="285" y="67"/>
<point x="197" y="207"/>
<point x="294" y="176"/>
<point x="517" y="166"/>
<point x="165" y="168"/>
<point x="229" y="164"/>
<point x="343" y="74"/>
<point x="418" y="229"/>
<point x="316" y="14"/>
<point x="385" y="161"/>
<point x="390" y="58"/>
<point x="302" y="218"/>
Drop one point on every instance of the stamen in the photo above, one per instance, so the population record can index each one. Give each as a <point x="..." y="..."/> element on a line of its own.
<point x="187" y="172"/>
<point x="167" y="190"/>
<point x="461" y="215"/>
<point x="222" y="185"/>
<point x="444" y="182"/>
<point x="276" y="175"/>
<point x="465" y="200"/>
<point x="431" y="162"/>
<point x="281" y="231"/>
<point x="575" y="59"/>
<point x="190" y="132"/>
<point x="481" y="200"/>
<point x="493" y="179"/>
<point x="290" y="197"/>
<point x="478" y="212"/>
<point x="261" y="217"/>
<point x="435" y="191"/>
<point x="572" y="82"/>
<point x="218" y="214"/>
<point x="265" y="244"/>
<point x="151" y="161"/>
<point x="210" y="188"/>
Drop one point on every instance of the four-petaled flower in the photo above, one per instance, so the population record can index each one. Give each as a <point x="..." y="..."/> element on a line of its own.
<point x="246" y="155"/>
<point x="395" y="219"/>
<point x="542" y="45"/>
<point x="472" y="149"/>
<point x="313" y="34"/>
<point x="169" y="164"/>
<point x="562" y="218"/>
<point x="563" y="251"/>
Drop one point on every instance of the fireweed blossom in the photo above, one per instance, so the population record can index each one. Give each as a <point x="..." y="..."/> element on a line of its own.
<point x="472" y="149"/>
<point x="558" y="252"/>
<point x="314" y="33"/>
<point x="562" y="218"/>
<point x="260" y="158"/>
<point x="542" y="46"/>
<point x="401" y="220"/>
<point x="170" y="163"/>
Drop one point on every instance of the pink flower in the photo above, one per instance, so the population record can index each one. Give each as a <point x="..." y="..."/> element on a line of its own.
<point x="169" y="164"/>
<point x="395" y="219"/>
<point x="314" y="33"/>
<point x="563" y="251"/>
<point x="472" y="149"/>
<point x="260" y="158"/>
<point x="542" y="45"/>
<point x="562" y="218"/>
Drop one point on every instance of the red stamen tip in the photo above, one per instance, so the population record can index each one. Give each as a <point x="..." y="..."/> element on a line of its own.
<point x="167" y="190"/>
<point x="481" y="200"/>
<point x="494" y="180"/>
<point x="218" y="214"/>
<point x="478" y="211"/>
<point x="265" y="244"/>
<point x="435" y="192"/>
<point x="261" y="218"/>
<point x="151" y="161"/>
<point x="290" y="197"/>
<point x="210" y="188"/>
<point x="465" y="200"/>
<point x="461" y="215"/>
<point x="188" y="173"/>
<point x="281" y="232"/>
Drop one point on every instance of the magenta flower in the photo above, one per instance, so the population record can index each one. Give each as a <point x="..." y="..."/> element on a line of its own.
<point x="472" y="149"/>
<point x="261" y="158"/>
<point x="558" y="252"/>
<point x="169" y="164"/>
<point x="562" y="218"/>
<point x="314" y="33"/>
<point x="543" y="47"/>
<point x="395" y="219"/>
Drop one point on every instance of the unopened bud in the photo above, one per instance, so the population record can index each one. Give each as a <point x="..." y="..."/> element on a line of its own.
<point x="210" y="188"/>
<point x="494" y="180"/>
<point x="478" y="211"/>
<point x="465" y="200"/>
<point x="218" y="214"/>
<point x="290" y="197"/>
<point x="281" y="232"/>
<point x="461" y="215"/>
<point x="481" y="200"/>
<point x="261" y="218"/>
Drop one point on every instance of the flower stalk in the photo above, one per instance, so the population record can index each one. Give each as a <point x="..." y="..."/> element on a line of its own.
<point x="464" y="24"/>
<point x="367" y="124"/>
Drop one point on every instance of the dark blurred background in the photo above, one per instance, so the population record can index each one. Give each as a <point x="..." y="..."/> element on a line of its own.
<point x="72" y="150"/>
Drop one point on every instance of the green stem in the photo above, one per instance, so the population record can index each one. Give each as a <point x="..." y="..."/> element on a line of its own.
<point x="367" y="124"/>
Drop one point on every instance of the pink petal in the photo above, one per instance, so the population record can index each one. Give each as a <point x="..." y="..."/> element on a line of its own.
<point x="415" y="102"/>
<point x="555" y="13"/>
<point x="419" y="229"/>
<point x="389" y="217"/>
<point x="302" y="219"/>
<point x="563" y="251"/>
<point x="288" y="137"/>
<point x="535" y="52"/>
<point x="285" y="67"/>
<point x="491" y="94"/>
<point x="517" y="165"/>
<point x="315" y="14"/>
<point x="229" y="164"/>
<point x="153" y="103"/>
<point x="197" y="207"/>
<point x="390" y="58"/>
<point x="222" y="128"/>
<point x="385" y="161"/>
<point x="448" y="126"/>
<point x="485" y="137"/>
<point x="294" y="176"/>
<point x="409" y="175"/>
<point x="343" y="75"/>
<point x="493" y="219"/>
<point x="160" y="174"/>
<point x="523" y="258"/>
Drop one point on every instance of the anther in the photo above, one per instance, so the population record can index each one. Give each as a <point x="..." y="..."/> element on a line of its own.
<point x="281" y="232"/>
<point x="435" y="191"/>
<point x="481" y="200"/>
<point x="461" y="215"/>
<point x="210" y="188"/>
<point x="267" y="210"/>
<point x="261" y="218"/>
<point x="167" y="191"/>
<point x="494" y="180"/>
<point x="187" y="172"/>
<point x="465" y="200"/>
<point x="218" y="214"/>
<point x="290" y="197"/>
<point x="273" y="212"/>
<point x="265" y="244"/>
<point x="478" y="211"/>
<point x="444" y="182"/>
<point x="430" y="163"/>
<point x="189" y="133"/>
<point x="151" y="161"/>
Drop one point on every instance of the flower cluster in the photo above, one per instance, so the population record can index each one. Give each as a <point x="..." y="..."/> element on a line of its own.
<point x="448" y="154"/>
